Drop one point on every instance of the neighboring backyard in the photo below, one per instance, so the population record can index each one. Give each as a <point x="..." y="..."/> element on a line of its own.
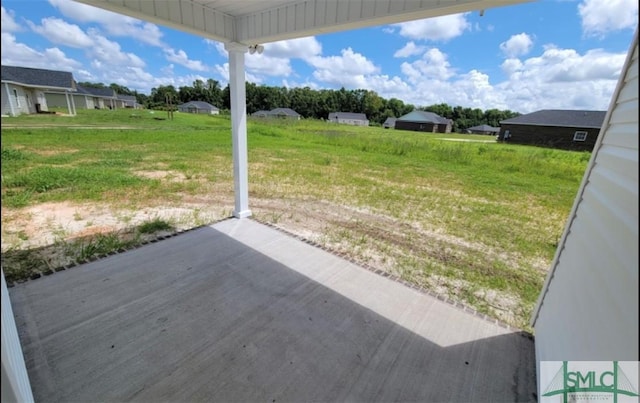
<point x="461" y="215"/>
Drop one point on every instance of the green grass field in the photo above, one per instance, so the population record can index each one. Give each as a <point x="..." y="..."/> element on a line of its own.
<point x="477" y="221"/>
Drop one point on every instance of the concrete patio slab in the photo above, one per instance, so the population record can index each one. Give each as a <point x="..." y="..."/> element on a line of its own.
<point x="241" y="312"/>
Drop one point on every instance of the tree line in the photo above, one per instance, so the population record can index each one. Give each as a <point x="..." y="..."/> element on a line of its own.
<point x="308" y="102"/>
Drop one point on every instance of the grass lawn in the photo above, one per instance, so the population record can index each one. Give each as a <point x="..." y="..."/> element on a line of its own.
<point x="475" y="220"/>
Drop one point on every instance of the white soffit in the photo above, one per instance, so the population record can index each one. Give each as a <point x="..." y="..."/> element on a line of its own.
<point x="252" y="22"/>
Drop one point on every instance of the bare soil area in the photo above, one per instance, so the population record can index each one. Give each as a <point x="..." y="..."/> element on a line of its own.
<point x="367" y="237"/>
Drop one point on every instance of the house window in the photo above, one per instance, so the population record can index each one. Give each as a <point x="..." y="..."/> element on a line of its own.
<point x="15" y="94"/>
<point x="580" y="136"/>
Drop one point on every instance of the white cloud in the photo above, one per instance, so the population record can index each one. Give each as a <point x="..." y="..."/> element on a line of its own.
<point x="600" y="17"/>
<point x="410" y="49"/>
<point x="223" y="72"/>
<point x="62" y="33"/>
<point x="113" y="23"/>
<point x="435" y="29"/>
<point x="563" y="79"/>
<point x="8" y="23"/>
<point x="265" y="64"/>
<point x="347" y="70"/>
<point x="180" y="57"/>
<point x="568" y="66"/>
<point x="388" y="87"/>
<point x="219" y="47"/>
<point x="433" y="64"/>
<point x="19" y="54"/>
<point x="110" y="54"/>
<point x="261" y="64"/>
<point x="334" y="78"/>
<point x="293" y="84"/>
<point x="511" y="66"/>
<point x="558" y="78"/>
<point x="301" y="48"/>
<point x="517" y="45"/>
<point x="349" y="62"/>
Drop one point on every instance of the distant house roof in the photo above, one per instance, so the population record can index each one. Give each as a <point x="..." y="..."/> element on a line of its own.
<point x="347" y="115"/>
<point x="96" y="92"/>
<point x="128" y="99"/>
<point x="484" y="128"/>
<point x="424" y="117"/>
<point x="261" y="113"/>
<point x="42" y="78"/>
<point x="284" y="111"/>
<point x="560" y="117"/>
<point x="390" y="122"/>
<point x="200" y="105"/>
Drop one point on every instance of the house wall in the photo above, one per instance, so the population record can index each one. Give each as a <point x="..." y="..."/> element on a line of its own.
<point x="353" y="122"/>
<point x="21" y="105"/>
<point x="483" y="132"/>
<point x="196" y="110"/>
<point x="417" y="126"/>
<point x="588" y="309"/>
<point x="549" y="136"/>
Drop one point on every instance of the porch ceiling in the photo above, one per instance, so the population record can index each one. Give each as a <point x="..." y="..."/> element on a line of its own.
<point x="252" y="22"/>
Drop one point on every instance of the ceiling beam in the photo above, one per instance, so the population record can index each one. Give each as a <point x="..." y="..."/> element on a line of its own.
<point x="183" y="15"/>
<point x="312" y="17"/>
<point x="295" y="19"/>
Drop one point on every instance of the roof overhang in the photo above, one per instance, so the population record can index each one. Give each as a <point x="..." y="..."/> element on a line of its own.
<point x="252" y="22"/>
<point x="39" y="87"/>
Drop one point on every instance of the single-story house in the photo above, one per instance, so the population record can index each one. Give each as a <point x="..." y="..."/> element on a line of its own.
<point x="423" y="121"/>
<point x="390" y="123"/>
<point x="483" y="129"/>
<point x="127" y="101"/>
<point x="261" y="114"/>
<point x="91" y="98"/>
<point x="27" y="90"/>
<point x="567" y="129"/>
<point x="285" y="113"/>
<point x="349" y="118"/>
<point x="282" y="113"/>
<point x="198" y="107"/>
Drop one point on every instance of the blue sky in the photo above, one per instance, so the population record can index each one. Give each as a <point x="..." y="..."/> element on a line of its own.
<point x="558" y="54"/>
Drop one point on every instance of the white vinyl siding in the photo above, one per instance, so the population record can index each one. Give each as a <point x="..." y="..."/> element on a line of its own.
<point x="14" y="101"/>
<point x="588" y="309"/>
<point x="15" y="380"/>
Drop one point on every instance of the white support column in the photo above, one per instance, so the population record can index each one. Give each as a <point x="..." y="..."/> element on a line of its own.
<point x="239" y="128"/>
<point x="15" y="380"/>
<point x="71" y="105"/>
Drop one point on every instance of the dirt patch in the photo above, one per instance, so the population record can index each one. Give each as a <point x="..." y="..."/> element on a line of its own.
<point x="48" y="223"/>
<point x="49" y="153"/>
<point x="423" y="256"/>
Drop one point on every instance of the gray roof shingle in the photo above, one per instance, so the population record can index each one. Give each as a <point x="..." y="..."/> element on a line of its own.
<point x="560" y="117"/>
<point x="284" y="111"/>
<point x="38" y="77"/>
<point x="96" y="92"/>
<point x="423" y="117"/>
<point x="201" y="105"/>
<point x="485" y="128"/>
